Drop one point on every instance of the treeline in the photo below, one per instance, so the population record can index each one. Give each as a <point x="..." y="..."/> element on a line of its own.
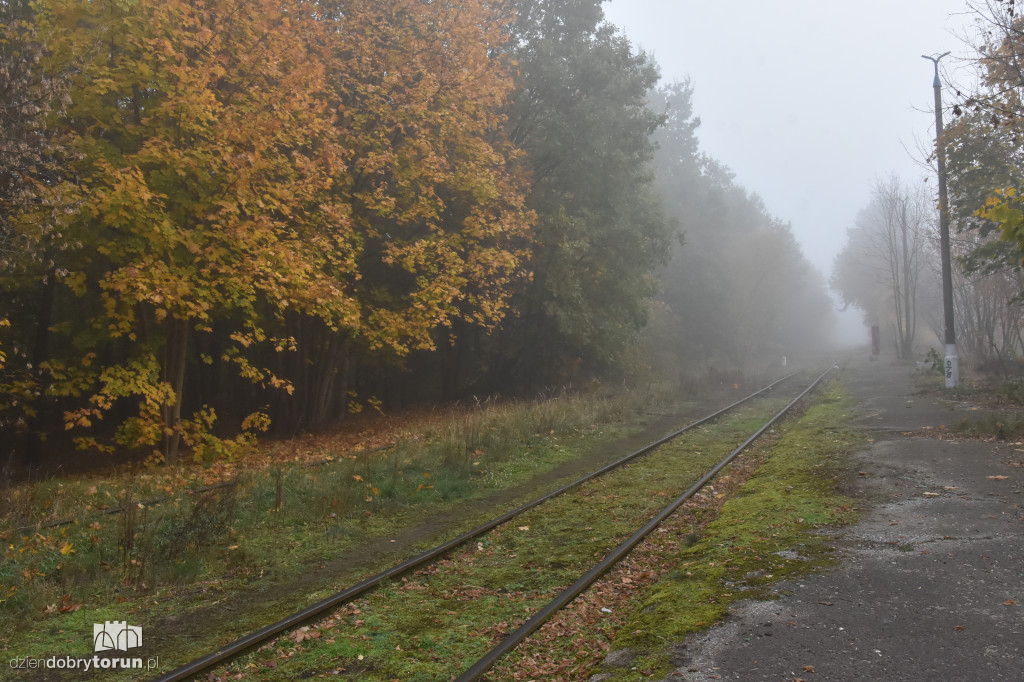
<point x="224" y="217"/>
<point x="738" y="292"/>
<point x="891" y="266"/>
<point x="982" y="141"/>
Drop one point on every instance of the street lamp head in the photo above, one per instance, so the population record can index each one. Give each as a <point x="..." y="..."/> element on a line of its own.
<point x="935" y="60"/>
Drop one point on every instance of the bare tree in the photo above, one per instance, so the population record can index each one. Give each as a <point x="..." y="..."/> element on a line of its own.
<point x="987" y="304"/>
<point x="880" y="270"/>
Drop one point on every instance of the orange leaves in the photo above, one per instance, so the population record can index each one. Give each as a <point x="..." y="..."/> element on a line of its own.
<point x="304" y="633"/>
<point x="252" y="165"/>
<point x="432" y="188"/>
<point x="209" y="191"/>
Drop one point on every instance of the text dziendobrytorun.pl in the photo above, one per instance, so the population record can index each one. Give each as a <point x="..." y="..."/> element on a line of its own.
<point x="85" y="663"/>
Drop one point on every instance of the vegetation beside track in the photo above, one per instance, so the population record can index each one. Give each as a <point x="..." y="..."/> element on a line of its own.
<point x="376" y="638"/>
<point x="186" y="544"/>
<point x="435" y="623"/>
<point x="772" y="529"/>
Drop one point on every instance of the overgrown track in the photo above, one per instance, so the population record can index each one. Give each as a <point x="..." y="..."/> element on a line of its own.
<point x="526" y="629"/>
<point x="268" y="632"/>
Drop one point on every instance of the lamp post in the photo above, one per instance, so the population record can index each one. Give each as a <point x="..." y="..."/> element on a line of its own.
<point x="952" y="361"/>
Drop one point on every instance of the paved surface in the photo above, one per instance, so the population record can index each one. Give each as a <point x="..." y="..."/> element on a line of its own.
<point x="931" y="585"/>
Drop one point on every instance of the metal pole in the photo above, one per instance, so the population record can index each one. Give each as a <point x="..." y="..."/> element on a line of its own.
<point x="952" y="361"/>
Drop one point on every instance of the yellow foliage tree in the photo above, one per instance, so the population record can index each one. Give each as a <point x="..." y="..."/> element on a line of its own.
<point x="247" y="162"/>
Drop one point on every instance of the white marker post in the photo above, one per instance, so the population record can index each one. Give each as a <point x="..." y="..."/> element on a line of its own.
<point x="952" y="366"/>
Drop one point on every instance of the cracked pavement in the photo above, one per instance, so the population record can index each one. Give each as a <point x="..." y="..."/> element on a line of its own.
<point x="931" y="580"/>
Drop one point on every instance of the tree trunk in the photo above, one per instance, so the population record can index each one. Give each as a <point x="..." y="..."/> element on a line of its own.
<point x="909" y="314"/>
<point x="317" y="371"/>
<point x="40" y="354"/>
<point x="175" y="353"/>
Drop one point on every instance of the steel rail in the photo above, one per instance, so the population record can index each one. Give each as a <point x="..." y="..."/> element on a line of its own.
<point x="267" y="632"/>
<point x="537" y="620"/>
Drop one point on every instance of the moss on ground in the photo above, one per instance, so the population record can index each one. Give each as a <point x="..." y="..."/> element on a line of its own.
<point x="771" y="530"/>
<point x="198" y="579"/>
<point x="425" y="627"/>
<point x="434" y="624"/>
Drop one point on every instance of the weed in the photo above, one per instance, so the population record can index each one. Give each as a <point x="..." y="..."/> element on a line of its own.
<point x="181" y="538"/>
<point x="1012" y="391"/>
<point x="74" y="546"/>
<point x="998" y="426"/>
<point x="751" y="544"/>
<point x="456" y="607"/>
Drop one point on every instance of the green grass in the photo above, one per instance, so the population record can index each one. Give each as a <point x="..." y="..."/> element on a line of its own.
<point x="433" y="624"/>
<point x="270" y="527"/>
<point x="1001" y="426"/>
<point x="768" y="532"/>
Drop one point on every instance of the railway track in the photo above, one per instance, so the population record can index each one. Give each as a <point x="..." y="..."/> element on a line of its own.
<point x="329" y="604"/>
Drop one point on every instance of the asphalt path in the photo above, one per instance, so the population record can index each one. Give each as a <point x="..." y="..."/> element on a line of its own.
<point x="930" y="585"/>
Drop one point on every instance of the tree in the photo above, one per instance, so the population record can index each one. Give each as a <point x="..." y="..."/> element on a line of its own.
<point x="29" y="95"/>
<point x="581" y="115"/>
<point x="881" y="267"/>
<point x="34" y="192"/>
<point x="737" y="287"/>
<point x="199" y="129"/>
<point x="986" y="170"/>
<point x="269" y="180"/>
<point x="983" y="142"/>
<point x="433" y="187"/>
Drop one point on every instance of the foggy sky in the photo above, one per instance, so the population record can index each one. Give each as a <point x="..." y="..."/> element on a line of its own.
<point x="808" y="102"/>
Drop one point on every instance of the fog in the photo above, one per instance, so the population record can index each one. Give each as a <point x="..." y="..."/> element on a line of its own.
<point x="808" y="103"/>
<point x="462" y="230"/>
